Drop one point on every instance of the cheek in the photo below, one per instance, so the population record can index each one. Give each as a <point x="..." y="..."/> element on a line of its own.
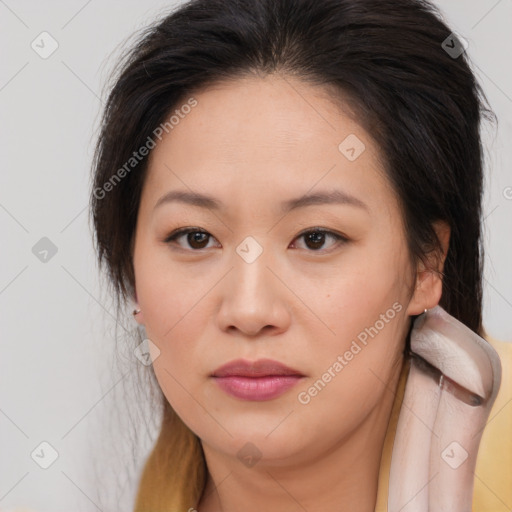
<point x="169" y="295"/>
<point x="174" y="317"/>
<point x="175" y="321"/>
<point x="368" y="326"/>
<point x="355" y="295"/>
<point x="366" y="310"/>
<point x="179" y="367"/>
<point x="353" y="368"/>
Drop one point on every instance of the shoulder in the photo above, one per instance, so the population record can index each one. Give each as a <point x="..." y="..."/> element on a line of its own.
<point x="493" y="472"/>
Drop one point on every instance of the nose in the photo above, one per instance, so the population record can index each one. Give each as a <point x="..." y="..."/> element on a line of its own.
<point x="254" y="298"/>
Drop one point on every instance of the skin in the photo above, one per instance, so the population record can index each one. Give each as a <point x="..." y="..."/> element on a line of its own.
<point x="296" y="304"/>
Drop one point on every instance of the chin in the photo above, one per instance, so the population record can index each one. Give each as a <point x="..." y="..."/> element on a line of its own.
<point x="253" y="441"/>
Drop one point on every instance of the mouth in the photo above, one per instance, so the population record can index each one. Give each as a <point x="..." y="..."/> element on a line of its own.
<point x="263" y="379"/>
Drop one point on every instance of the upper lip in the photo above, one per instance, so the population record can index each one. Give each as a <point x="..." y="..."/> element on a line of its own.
<point x="259" y="368"/>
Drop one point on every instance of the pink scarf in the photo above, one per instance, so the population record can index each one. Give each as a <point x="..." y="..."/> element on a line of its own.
<point x="453" y="381"/>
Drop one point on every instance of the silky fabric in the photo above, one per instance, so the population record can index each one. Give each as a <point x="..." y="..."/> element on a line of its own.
<point x="493" y="472"/>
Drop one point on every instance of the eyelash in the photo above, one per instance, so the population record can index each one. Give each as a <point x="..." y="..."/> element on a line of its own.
<point x="341" y="239"/>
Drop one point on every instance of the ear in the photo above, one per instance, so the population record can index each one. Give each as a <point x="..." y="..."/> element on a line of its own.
<point x="429" y="281"/>
<point x="139" y="317"/>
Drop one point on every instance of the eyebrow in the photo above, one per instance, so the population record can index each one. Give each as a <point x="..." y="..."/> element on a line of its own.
<point x="209" y="202"/>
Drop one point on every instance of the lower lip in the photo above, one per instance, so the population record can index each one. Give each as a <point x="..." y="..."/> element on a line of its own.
<point x="257" y="388"/>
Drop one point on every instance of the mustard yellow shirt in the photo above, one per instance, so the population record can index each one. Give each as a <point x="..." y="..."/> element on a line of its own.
<point x="493" y="472"/>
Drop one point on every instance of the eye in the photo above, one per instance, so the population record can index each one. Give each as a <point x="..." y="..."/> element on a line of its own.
<point x="198" y="239"/>
<point x="315" y="238"/>
<point x="195" y="237"/>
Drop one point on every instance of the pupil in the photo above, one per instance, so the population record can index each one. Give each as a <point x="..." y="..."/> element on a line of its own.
<point x="195" y="238"/>
<point x="317" y="239"/>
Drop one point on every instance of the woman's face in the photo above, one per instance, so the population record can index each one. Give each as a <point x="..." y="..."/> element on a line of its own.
<point x="264" y="282"/>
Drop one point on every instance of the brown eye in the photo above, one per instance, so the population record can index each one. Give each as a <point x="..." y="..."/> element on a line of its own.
<point x="316" y="238"/>
<point x="195" y="238"/>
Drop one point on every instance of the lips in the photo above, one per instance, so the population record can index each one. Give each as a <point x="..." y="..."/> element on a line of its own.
<point x="260" y="380"/>
<point x="259" y="368"/>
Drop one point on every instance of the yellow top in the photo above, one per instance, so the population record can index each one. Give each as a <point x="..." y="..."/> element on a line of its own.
<point x="493" y="472"/>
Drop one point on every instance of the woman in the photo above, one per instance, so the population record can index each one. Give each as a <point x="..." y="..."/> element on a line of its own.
<point x="283" y="187"/>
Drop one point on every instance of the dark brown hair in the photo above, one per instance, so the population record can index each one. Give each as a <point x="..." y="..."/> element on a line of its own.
<point x="399" y="63"/>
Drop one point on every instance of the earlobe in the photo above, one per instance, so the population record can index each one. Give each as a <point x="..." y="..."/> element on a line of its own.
<point x="137" y="314"/>
<point x="429" y="276"/>
<point x="428" y="291"/>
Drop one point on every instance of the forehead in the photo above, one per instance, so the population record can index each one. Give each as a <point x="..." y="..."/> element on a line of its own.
<point x="272" y="134"/>
<point x="281" y="114"/>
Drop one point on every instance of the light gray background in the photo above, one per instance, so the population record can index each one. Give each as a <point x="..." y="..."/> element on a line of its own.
<point x="59" y="381"/>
